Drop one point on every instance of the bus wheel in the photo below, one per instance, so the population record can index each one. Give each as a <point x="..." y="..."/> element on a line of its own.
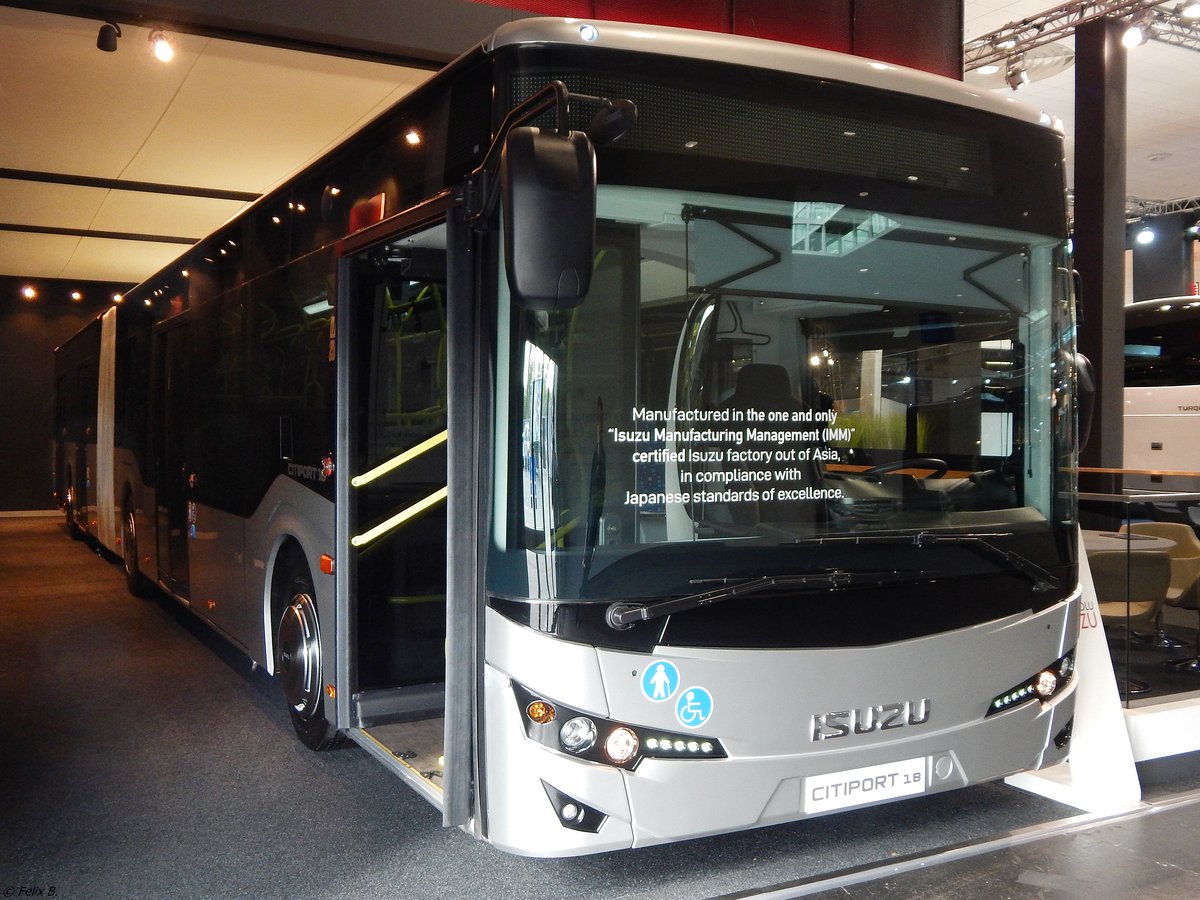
<point x="134" y="580"/>
<point x="298" y="665"/>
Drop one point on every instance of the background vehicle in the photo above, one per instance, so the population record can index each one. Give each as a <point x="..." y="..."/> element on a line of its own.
<point x="1162" y="401"/>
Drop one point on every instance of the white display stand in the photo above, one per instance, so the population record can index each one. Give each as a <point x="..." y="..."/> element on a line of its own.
<point x="1164" y="729"/>
<point x="1100" y="775"/>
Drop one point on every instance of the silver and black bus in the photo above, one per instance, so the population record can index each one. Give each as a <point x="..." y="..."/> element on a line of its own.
<point x="634" y="434"/>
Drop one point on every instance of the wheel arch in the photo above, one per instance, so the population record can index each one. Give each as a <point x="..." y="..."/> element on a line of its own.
<point x="293" y="539"/>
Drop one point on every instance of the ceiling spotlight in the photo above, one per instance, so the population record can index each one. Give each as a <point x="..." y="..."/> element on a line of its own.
<point x="106" y="40"/>
<point x="1189" y="10"/>
<point x="1139" y="29"/>
<point x="29" y="292"/>
<point x="1014" y="72"/>
<point x="1145" y="236"/>
<point x="162" y="47"/>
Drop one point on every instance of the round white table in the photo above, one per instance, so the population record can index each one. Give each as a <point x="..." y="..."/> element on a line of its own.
<point x="1094" y="541"/>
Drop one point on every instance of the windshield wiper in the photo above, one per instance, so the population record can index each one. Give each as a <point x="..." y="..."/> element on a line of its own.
<point x="1042" y="579"/>
<point x="623" y="615"/>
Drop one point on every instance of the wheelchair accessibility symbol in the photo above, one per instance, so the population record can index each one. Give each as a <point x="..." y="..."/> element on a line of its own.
<point x="694" y="707"/>
<point x="660" y="681"/>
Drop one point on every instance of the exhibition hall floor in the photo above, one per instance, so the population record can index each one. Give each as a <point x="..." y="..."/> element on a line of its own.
<point x="142" y="756"/>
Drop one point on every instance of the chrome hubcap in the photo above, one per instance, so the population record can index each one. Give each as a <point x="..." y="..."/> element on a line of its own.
<point x="129" y="545"/>
<point x="300" y="655"/>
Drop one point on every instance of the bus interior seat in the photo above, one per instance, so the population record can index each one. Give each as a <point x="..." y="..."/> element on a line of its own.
<point x="1131" y="587"/>
<point x="1184" y="590"/>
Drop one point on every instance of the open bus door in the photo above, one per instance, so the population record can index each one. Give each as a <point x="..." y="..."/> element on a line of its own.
<point x="414" y="422"/>
<point x="393" y="534"/>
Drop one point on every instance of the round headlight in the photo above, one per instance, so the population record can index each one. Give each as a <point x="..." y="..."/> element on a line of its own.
<point x="578" y="734"/>
<point x="1045" y="684"/>
<point x="621" y="745"/>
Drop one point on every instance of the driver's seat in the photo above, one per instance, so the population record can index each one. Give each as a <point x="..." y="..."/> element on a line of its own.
<point x="765" y="387"/>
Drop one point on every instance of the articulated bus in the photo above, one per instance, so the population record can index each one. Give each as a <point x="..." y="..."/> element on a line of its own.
<point x="634" y="434"/>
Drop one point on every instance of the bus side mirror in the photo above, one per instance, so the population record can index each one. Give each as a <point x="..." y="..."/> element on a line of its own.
<point x="1085" y="379"/>
<point x="548" y="190"/>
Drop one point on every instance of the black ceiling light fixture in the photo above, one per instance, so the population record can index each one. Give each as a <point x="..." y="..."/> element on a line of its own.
<point x="106" y="40"/>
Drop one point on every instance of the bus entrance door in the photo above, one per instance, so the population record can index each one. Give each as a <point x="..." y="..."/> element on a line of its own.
<point x="397" y="503"/>
<point x="172" y="424"/>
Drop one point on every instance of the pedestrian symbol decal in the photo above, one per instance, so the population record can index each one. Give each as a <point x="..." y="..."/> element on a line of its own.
<point x="694" y="707"/>
<point x="660" y="681"/>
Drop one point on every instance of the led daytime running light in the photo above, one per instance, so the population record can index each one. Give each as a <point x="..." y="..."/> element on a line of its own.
<point x="1042" y="686"/>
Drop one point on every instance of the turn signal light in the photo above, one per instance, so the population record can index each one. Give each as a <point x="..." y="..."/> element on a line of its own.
<point x="540" y="711"/>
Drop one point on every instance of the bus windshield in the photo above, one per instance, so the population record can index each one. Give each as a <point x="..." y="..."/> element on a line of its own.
<point x="817" y="312"/>
<point x="762" y="373"/>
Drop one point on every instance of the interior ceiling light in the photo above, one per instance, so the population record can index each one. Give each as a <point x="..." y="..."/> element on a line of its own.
<point x="1014" y="72"/>
<point x="106" y="40"/>
<point x="1139" y="29"/>
<point x="1189" y="10"/>
<point x="1039" y="64"/>
<point x="1145" y="236"/>
<point x="162" y="47"/>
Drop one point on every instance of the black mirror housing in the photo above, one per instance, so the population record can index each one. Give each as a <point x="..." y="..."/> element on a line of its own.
<point x="1085" y="388"/>
<point x="548" y="191"/>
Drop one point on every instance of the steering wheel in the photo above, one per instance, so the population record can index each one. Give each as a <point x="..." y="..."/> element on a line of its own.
<point x="939" y="466"/>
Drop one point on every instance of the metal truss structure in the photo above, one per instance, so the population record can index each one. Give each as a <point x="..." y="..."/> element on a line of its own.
<point x="999" y="46"/>
<point x="1139" y="207"/>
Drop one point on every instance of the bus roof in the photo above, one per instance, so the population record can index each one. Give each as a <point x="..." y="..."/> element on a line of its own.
<point x="1162" y="311"/>
<point x="774" y="55"/>
<point x="1163" y="303"/>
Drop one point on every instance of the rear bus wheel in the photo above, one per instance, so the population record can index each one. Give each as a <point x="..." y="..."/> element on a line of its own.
<point x="298" y="665"/>
<point x="134" y="580"/>
<point x="73" y="528"/>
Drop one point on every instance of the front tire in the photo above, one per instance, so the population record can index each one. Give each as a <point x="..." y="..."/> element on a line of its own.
<point x="298" y="664"/>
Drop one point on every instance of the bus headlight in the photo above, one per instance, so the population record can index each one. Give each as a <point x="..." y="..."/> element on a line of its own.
<point x="621" y="745"/>
<point x="1045" y="684"/>
<point x="1042" y="686"/>
<point x="578" y="734"/>
<point x="596" y="739"/>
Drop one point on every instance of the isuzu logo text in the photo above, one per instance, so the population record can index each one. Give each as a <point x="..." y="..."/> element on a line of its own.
<point x="884" y="717"/>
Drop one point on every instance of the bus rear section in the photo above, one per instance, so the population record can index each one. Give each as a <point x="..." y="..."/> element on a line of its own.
<point x="76" y="416"/>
